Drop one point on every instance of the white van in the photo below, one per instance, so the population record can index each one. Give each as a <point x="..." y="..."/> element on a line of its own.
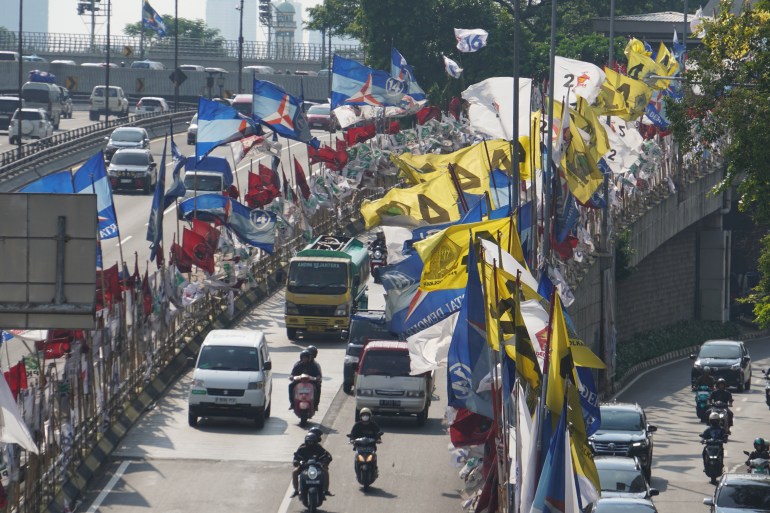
<point x="232" y="377"/>
<point x="384" y="385"/>
<point x="43" y="96"/>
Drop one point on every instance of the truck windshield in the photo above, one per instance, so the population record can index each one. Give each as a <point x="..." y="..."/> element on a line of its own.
<point x="385" y="363"/>
<point x="203" y="183"/>
<point x="235" y="358"/>
<point x="313" y="277"/>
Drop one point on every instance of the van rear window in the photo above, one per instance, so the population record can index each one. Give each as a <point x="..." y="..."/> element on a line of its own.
<point x="385" y="363"/>
<point x="35" y="95"/>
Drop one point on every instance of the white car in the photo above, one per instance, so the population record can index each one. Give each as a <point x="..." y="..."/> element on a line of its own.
<point x="151" y="104"/>
<point x="34" y="124"/>
<point x="118" y="102"/>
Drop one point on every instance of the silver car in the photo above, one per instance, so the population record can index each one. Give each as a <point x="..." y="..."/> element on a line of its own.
<point x="133" y="169"/>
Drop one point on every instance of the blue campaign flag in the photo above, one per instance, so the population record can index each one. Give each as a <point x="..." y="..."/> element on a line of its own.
<point x="656" y="109"/>
<point x="401" y="70"/>
<point x="99" y="259"/>
<point x="589" y="399"/>
<point x="177" y="188"/>
<point x="209" y="207"/>
<point x="567" y="213"/>
<point x="152" y="20"/>
<point x="551" y="495"/>
<point x="155" y="224"/>
<point x="59" y="182"/>
<point x="423" y="309"/>
<point x="356" y="84"/>
<point x="469" y="353"/>
<point x="175" y="153"/>
<point x="281" y="112"/>
<point x="255" y="228"/>
<point x="220" y="124"/>
<point x="91" y="178"/>
<point x="5" y="336"/>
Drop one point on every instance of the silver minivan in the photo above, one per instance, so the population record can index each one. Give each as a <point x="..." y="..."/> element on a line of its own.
<point x="232" y="377"/>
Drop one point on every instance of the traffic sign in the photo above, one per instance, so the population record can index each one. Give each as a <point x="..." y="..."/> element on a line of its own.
<point x="71" y="83"/>
<point x="128" y="51"/>
<point x="139" y="85"/>
<point x="177" y="77"/>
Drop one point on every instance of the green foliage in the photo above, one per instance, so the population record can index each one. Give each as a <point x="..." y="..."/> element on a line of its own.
<point x="760" y="296"/>
<point x="7" y="38"/>
<point x="195" y="31"/>
<point x="623" y="254"/>
<point x="647" y="345"/>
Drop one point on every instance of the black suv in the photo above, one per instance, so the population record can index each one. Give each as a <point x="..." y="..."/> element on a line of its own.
<point x="365" y="325"/>
<point x="728" y="359"/>
<point x="624" y="431"/>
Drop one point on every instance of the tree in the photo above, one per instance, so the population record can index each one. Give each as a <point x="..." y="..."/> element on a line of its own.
<point x="726" y="107"/>
<point x="191" y="32"/>
<point x="7" y="38"/>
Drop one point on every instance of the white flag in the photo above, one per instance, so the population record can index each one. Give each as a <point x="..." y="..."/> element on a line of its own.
<point x="429" y="348"/>
<point x="625" y="144"/>
<point x="491" y="106"/>
<point x="582" y="78"/>
<point x="452" y="68"/>
<point x="12" y="427"/>
<point x="471" y="40"/>
<point x="244" y="147"/>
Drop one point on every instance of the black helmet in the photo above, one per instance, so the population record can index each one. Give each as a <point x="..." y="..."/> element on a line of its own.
<point x="313" y="351"/>
<point x="312" y="439"/>
<point x="315" y="430"/>
<point x="379" y="234"/>
<point x="721" y="381"/>
<point x="759" y="444"/>
<point x="305" y="353"/>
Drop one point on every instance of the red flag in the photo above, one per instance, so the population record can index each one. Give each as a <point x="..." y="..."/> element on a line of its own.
<point x="341" y="144"/>
<point x="58" y="342"/>
<point x="209" y="233"/>
<point x="427" y="113"/>
<point x="455" y="107"/>
<point x="270" y="177"/>
<point x="393" y="128"/>
<point x="299" y="177"/>
<point x="111" y="282"/>
<point x="197" y="249"/>
<point x="469" y="428"/>
<point x="146" y="295"/>
<point x="17" y="378"/>
<point x="181" y="259"/>
<point x="359" y="134"/>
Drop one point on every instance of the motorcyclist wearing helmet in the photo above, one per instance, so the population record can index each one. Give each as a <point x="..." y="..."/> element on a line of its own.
<point x="705" y="379"/>
<point x="760" y="450"/>
<point x="304" y="366"/>
<point x="714" y="431"/>
<point x="365" y="427"/>
<point x="313" y="354"/>
<point x="721" y="394"/>
<point x="378" y="241"/>
<point x="311" y="450"/>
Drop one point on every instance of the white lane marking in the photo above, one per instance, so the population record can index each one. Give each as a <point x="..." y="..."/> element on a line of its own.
<point x="623" y="390"/>
<point x="107" y="489"/>
<point x="284" y="507"/>
<point x="124" y="240"/>
<point x="169" y="209"/>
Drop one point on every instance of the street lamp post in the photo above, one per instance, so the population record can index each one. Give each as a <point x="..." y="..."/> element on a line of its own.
<point x="240" y="50"/>
<point x="21" y="76"/>
<point x="176" y="54"/>
<point x="107" y="67"/>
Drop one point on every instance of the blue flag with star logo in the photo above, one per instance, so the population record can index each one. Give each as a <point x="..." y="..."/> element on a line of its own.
<point x="152" y="20"/>
<point x="468" y="357"/>
<point x="281" y="112"/>
<point x="356" y="84"/>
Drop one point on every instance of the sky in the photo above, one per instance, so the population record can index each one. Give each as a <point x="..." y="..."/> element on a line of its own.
<point x="63" y="16"/>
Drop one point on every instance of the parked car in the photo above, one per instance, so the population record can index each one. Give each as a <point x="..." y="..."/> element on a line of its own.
<point x="118" y="103"/>
<point x="8" y="105"/>
<point x="66" y="103"/>
<point x="321" y="117"/>
<point x="624" y="431"/>
<point x="740" y="492"/>
<point x="133" y="169"/>
<point x="623" y="505"/>
<point x="621" y="476"/>
<point x="34" y="124"/>
<point x="126" y="137"/>
<point x="728" y="359"/>
<point x="147" y="65"/>
<point x="365" y="325"/>
<point x="149" y="104"/>
<point x="192" y="130"/>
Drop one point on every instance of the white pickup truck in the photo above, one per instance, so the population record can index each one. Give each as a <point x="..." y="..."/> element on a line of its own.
<point x="118" y="102"/>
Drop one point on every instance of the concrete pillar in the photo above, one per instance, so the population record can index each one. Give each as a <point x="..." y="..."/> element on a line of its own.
<point x="713" y="269"/>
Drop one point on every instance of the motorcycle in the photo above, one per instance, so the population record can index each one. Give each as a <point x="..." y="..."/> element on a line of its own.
<point x="366" y="460"/>
<point x="304" y="397"/>
<point x="702" y="396"/>
<point x="311" y="484"/>
<point x="758" y="465"/>
<point x="713" y="464"/>
<point x="767" y="388"/>
<point x="378" y="257"/>
<point x="720" y="409"/>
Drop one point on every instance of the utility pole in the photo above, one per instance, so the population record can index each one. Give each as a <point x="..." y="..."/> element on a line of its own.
<point x="176" y="54"/>
<point x="21" y="76"/>
<point x="107" y="68"/>
<point x="240" y="50"/>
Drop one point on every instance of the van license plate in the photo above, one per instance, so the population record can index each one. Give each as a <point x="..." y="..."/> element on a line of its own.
<point x="224" y="400"/>
<point x="390" y="403"/>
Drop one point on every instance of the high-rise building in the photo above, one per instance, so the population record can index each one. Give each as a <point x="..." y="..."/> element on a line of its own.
<point x="224" y="16"/>
<point x="35" y="17"/>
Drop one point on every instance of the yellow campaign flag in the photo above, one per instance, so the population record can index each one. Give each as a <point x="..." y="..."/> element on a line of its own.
<point x="431" y="202"/>
<point x="609" y="102"/>
<point x="560" y="360"/>
<point x="636" y="46"/>
<point x="665" y="59"/>
<point x="641" y="66"/>
<point x="587" y="120"/>
<point x="635" y="93"/>
<point x="580" y="167"/>
<point x="444" y="253"/>
<point x="582" y="456"/>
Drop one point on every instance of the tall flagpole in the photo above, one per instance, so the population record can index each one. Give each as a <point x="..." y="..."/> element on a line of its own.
<point x="141" y="31"/>
<point x="549" y="139"/>
<point x="516" y="179"/>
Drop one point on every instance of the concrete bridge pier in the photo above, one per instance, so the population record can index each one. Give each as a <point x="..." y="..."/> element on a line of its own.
<point x="712" y="291"/>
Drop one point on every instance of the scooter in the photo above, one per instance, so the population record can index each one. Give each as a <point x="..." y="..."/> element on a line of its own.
<point x="311" y="484"/>
<point x="758" y="465"/>
<point x="713" y="463"/>
<point x="304" y="397"/>
<point x="378" y="257"/>
<point x="702" y="396"/>
<point x="720" y="409"/>
<point x="366" y="460"/>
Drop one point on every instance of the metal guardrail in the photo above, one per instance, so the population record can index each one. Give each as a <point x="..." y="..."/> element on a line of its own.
<point x="82" y="44"/>
<point x="33" y="154"/>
